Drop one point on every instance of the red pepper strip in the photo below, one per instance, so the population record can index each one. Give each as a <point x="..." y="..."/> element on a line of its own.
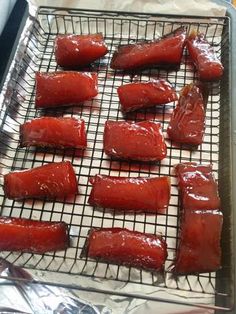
<point x="52" y="181"/>
<point x="187" y="122"/>
<point x="198" y="188"/>
<point x="199" y="248"/>
<point x="129" y="248"/>
<point x="53" y="132"/>
<point x="202" y="53"/>
<point x="25" y="235"/>
<point x="137" y="141"/>
<point x="79" y="50"/>
<point x="165" y="52"/>
<point x="146" y="195"/>
<point x="64" y="88"/>
<point x="143" y="95"/>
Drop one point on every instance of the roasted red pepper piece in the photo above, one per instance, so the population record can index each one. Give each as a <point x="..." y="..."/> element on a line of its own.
<point x="165" y="52"/>
<point x="26" y="235"/>
<point x="150" y="195"/>
<point x="202" y="53"/>
<point x="129" y="248"/>
<point x="187" y="122"/>
<point x="51" y="181"/>
<point x="199" y="248"/>
<point x="198" y="188"/>
<point x="64" y="88"/>
<point x="142" y="95"/>
<point x="53" y="132"/>
<point x="79" y="50"/>
<point x="137" y="141"/>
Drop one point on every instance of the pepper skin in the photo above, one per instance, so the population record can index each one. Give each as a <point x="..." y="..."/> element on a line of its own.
<point x="199" y="248"/>
<point x="198" y="188"/>
<point x="129" y="248"/>
<point x="52" y="181"/>
<point x="187" y="122"/>
<point x="142" y="141"/>
<point x="143" y="95"/>
<point x="64" y="88"/>
<point x="25" y="235"/>
<point x="165" y="52"/>
<point x="79" y="50"/>
<point x="53" y="132"/>
<point x="209" y="68"/>
<point x="145" y="195"/>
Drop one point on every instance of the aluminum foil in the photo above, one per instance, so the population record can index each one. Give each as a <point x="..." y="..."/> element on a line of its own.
<point x="25" y="295"/>
<point x="191" y="7"/>
<point x="22" y="297"/>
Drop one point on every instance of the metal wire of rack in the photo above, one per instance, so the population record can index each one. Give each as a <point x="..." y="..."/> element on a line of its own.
<point x="38" y="55"/>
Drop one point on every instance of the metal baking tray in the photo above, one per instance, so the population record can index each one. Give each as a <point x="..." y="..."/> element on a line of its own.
<point x="68" y="269"/>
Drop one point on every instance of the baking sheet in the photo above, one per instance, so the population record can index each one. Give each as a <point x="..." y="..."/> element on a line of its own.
<point x="36" y="213"/>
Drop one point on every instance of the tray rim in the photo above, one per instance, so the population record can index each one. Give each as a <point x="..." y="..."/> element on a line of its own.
<point x="15" y="42"/>
<point x="231" y="12"/>
<point x="132" y="13"/>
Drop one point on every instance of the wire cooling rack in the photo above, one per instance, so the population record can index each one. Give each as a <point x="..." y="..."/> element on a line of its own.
<point x="37" y="54"/>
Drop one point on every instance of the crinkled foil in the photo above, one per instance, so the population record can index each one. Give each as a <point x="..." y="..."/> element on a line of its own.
<point x="25" y="295"/>
<point x="36" y="298"/>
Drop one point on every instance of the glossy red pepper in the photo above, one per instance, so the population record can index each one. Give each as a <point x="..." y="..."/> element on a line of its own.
<point x="187" y="122"/>
<point x="143" y="95"/>
<point x="199" y="248"/>
<point x="146" y="195"/>
<point x="129" y="248"/>
<point x="204" y="58"/>
<point x="52" y="181"/>
<point x="25" y="235"/>
<point x="79" y="50"/>
<point x="53" y="132"/>
<point x="165" y="52"/>
<point x="64" y="88"/>
<point x="198" y="188"/>
<point x="137" y="141"/>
